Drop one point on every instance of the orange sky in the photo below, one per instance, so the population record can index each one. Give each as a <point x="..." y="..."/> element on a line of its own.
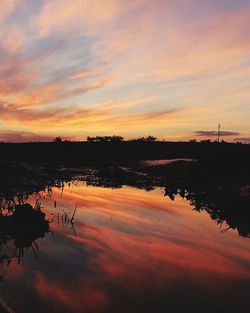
<point x="173" y="69"/>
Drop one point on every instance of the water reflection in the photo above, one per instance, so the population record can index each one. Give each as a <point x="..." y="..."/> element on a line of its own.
<point x="125" y="249"/>
<point x="227" y="201"/>
<point x="20" y="226"/>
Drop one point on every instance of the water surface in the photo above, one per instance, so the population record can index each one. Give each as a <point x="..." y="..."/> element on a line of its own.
<point x="126" y="250"/>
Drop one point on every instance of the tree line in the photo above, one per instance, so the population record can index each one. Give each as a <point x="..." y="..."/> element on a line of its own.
<point x="114" y="138"/>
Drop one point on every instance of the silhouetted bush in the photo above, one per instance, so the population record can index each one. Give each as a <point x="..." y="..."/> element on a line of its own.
<point x="57" y="140"/>
<point x="105" y="139"/>
<point x="148" y="138"/>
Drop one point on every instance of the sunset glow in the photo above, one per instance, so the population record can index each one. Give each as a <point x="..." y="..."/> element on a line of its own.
<point x="172" y="69"/>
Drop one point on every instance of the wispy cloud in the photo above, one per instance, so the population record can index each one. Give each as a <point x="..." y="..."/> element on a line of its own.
<point x="243" y="139"/>
<point x="7" y="7"/>
<point x="94" y="66"/>
<point x="21" y="136"/>
<point x="205" y="133"/>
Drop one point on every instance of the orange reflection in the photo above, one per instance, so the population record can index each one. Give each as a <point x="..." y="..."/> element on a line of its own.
<point x="133" y="248"/>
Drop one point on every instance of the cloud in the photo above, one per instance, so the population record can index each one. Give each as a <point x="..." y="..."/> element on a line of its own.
<point x="243" y="139"/>
<point x="22" y="136"/>
<point x="205" y="133"/>
<point x="7" y="7"/>
<point x="56" y="91"/>
<point x="13" y="39"/>
<point x="207" y="47"/>
<point x="78" y="122"/>
<point x="78" y="66"/>
<point x="78" y="15"/>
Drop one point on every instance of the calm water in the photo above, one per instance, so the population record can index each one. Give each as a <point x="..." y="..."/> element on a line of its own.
<point x="127" y="250"/>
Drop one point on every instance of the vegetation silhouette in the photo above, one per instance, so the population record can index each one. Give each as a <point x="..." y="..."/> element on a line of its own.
<point x="57" y="140"/>
<point x="22" y="225"/>
<point x="143" y="139"/>
<point x="105" y="139"/>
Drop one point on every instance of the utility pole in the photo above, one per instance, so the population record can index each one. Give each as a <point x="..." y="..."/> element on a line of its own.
<point x="219" y="128"/>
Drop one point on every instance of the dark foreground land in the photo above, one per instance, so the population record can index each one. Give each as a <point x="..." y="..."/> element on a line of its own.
<point x="219" y="163"/>
<point x="125" y="151"/>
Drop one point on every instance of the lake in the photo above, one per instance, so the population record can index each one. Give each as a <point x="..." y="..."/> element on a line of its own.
<point x="122" y="250"/>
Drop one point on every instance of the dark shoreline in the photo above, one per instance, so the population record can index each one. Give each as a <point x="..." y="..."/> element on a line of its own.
<point x="217" y="182"/>
<point x="123" y="152"/>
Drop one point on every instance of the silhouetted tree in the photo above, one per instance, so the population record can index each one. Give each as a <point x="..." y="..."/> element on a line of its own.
<point x="150" y="138"/>
<point x="57" y="140"/>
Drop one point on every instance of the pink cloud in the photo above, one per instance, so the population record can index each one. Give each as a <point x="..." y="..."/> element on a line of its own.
<point x="22" y="136"/>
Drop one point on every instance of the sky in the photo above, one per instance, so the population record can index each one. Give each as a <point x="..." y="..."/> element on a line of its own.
<point x="173" y="69"/>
